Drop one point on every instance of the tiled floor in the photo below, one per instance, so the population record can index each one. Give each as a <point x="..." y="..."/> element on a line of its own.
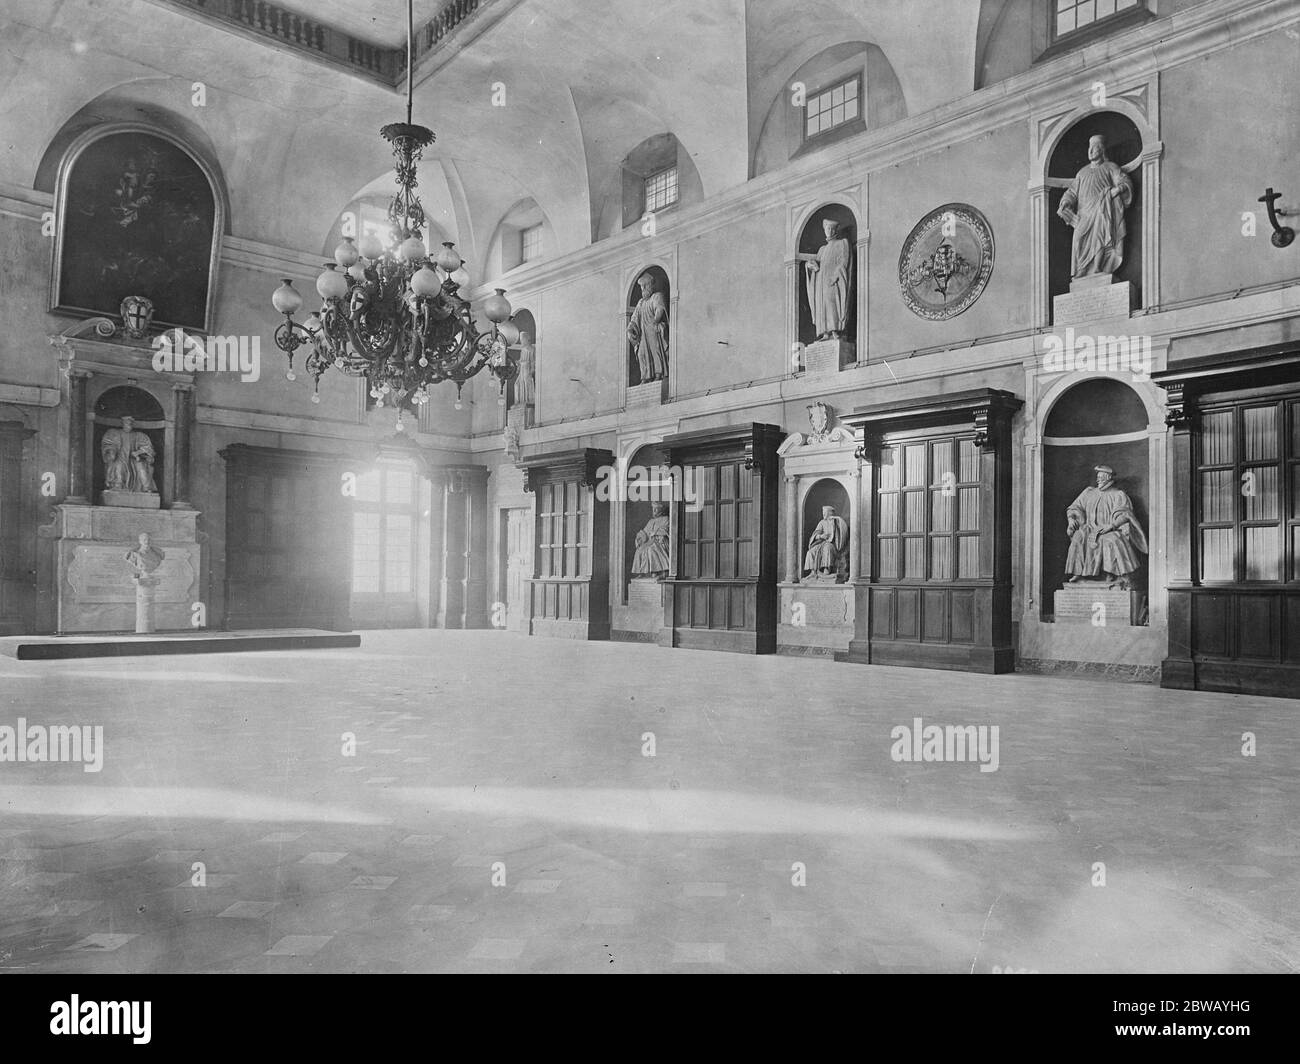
<point x="499" y="814"/>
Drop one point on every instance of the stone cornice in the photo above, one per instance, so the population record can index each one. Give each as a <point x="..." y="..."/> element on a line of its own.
<point x="257" y="421"/>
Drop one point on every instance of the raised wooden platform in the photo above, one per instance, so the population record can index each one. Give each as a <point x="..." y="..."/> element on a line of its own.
<point x="124" y="644"/>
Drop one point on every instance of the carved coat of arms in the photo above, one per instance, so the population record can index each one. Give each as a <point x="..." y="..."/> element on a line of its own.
<point x="946" y="262"/>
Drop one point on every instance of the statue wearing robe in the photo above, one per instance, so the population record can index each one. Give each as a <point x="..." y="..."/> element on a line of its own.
<point x="828" y="546"/>
<point x="650" y="558"/>
<point x="1094" y="204"/>
<point x="1105" y="537"/>
<point x="525" y="392"/>
<point x="647" y="331"/>
<point x="829" y="283"/>
<point x="128" y="459"/>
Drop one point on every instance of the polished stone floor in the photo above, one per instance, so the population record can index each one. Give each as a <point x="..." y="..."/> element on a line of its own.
<point x="499" y="813"/>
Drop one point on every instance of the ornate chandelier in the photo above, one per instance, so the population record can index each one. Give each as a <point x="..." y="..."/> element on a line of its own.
<point x="398" y="319"/>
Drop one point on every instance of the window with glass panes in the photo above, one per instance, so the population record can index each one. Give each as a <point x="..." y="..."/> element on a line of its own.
<point x="530" y="243"/>
<point x="718" y="533"/>
<point x="837" y="105"/>
<point x="1070" y="16"/>
<point x="563" y="530"/>
<point x="661" y="189"/>
<point x="1248" y="484"/>
<point x="384" y="532"/>
<point x="928" y="510"/>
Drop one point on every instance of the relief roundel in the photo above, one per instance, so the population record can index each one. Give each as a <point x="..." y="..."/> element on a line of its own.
<point x="946" y="261"/>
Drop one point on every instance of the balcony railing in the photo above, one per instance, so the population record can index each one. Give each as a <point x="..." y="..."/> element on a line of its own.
<point x="326" y="43"/>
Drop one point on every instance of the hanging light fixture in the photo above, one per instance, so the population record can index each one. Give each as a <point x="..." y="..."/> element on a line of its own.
<point x="397" y="318"/>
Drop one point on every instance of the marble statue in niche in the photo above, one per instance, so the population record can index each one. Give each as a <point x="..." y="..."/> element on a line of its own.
<point x="1093" y="205"/>
<point x="827" y="557"/>
<point x="128" y="459"/>
<point x="647" y="331"/>
<point x="144" y="558"/>
<point x="650" y="558"/>
<point x="525" y="383"/>
<point x="1105" y="537"/>
<point x="828" y="280"/>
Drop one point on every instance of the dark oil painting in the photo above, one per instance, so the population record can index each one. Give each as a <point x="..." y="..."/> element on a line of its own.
<point x="138" y="220"/>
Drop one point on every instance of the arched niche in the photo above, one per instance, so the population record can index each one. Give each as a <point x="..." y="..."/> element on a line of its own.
<point x="662" y="287"/>
<point x="1097" y="421"/>
<point x="825" y="492"/>
<point x="1068" y="157"/>
<point x="148" y="416"/>
<point x="650" y="484"/>
<point x="1139" y="104"/>
<point x="138" y="213"/>
<point x="520" y="394"/>
<point x="811" y="237"/>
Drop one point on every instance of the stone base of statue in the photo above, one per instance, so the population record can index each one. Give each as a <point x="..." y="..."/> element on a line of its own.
<point x="140" y="500"/>
<point x="90" y="579"/>
<point x="519" y="417"/>
<point x="828" y="356"/>
<point x="145" y="586"/>
<point x="1092" y="602"/>
<point x="642" y="619"/>
<point x="824" y="578"/>
<point x="1091" y="299"/>
<point x="816" y="619"/>
<point x="649" y="394"/>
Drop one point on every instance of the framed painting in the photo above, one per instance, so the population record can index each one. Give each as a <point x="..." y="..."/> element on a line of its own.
<point x="136" y="215"/>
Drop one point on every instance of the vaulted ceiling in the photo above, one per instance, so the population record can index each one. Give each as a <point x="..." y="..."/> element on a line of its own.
<point x="584" y="82"/>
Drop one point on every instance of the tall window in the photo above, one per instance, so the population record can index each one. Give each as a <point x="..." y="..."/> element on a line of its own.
<point x="383" y="532"/>
<point x="530" y="243"/>
<point x="928" y="500"/>
<point x="1071" y="16"/>
<point x="1248" y="479"/>
<point x="563" y="532"/>
<point x="832" y="108"/>
<point x="661" y="189"/>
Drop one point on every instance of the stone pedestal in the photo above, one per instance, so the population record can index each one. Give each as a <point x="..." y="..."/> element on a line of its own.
<point x="518" y="417"/>
<point x="1094" y="604"/>
<point x="94" y="590"/>
<point x="828" y="356"/>
<point x="138" y="500"/>
<point x="145" y="587"/>
<point x="1093" y="299"/>
<point x="816" y="618"/>
<point x="649" y="394"/>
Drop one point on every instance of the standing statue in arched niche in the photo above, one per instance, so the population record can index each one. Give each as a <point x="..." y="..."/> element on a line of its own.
<point x="647" y="331"/>
<point x="1093" y="205"/>
<point x="829" y="282"/>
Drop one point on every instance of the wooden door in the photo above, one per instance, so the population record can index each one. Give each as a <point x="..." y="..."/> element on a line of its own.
<point x="517" y="566"/>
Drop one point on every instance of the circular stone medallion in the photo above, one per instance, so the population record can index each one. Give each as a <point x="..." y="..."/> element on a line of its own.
<point x="946" y="261"/>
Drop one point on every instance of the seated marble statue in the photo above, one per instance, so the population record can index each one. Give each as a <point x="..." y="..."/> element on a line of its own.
<point x="128" y="459"/>
<point x="650" y="558"/>
<point x="827" y="554"/>
<point x="1105" y="537"/>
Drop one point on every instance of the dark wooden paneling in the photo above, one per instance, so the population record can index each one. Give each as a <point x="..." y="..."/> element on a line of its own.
<point x="1258" y="620"/>
<point x="934" y="616"/>
<point x="962" y="612"/>
<point x="1211" y="631"/>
